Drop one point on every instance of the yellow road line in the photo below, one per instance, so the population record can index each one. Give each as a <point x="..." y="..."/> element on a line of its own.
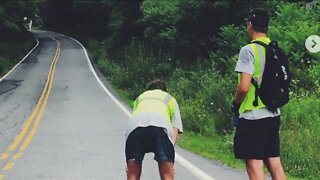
<point x="8" y="166"/>
<point x="27" y="125"/>
<point x="41" y="112"/>
<point x="34" y="118"/>
<point x="17" y="156"/>
<point x="4" y="156"/>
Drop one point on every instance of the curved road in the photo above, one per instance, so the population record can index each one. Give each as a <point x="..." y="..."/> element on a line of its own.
<point x="58" y="121"/>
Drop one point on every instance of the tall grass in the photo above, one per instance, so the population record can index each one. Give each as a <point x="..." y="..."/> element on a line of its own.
<point x="300" y="137"/>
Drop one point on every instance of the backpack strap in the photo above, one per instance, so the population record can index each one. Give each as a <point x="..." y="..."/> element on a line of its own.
<point x="253" y="81"/>
<point x="255" y="84"/>
<point x="260" y="43"/>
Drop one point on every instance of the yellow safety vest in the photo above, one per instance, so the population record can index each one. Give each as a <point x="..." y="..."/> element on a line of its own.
<point x="259" y="53"/>
<point x="156" y="101"/>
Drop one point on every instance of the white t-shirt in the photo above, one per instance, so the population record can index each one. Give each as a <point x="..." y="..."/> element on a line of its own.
<point x="146" y="119"/>
<point x="246" y="64"/>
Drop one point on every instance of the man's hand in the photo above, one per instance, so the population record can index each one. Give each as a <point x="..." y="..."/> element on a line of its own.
<point x="235" y="107"/>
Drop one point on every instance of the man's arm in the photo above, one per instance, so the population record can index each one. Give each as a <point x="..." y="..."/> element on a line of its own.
<point x="175" y="134"/>
<point x="245" y="66"/>
<point x="243" y="87"/>
<point x="176" y="123"/>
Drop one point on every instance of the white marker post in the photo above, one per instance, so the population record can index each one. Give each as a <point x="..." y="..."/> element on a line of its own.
<point x="30" y="25"/>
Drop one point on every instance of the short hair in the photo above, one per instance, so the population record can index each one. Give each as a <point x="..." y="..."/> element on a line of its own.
<point x="157" y="84"/>
<point x="260" y="29"/>
<point x="259" y="19"/>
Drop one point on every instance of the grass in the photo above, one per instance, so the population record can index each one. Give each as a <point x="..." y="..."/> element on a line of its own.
<point x="123" y="97"/>
<point x="214" y="148"/>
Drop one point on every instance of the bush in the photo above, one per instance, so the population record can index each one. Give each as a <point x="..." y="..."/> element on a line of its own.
<point x="228" y="43"/>
<point x="12" y="52"/>
<point x="133" y="68"/>
<point x="2" y="66"/>
<point x="204" y="98"/>
<point x="291" y="27"/>
<point x="300" y="137"/>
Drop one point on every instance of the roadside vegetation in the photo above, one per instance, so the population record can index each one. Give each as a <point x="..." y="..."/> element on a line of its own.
<point x="15" y="40"/>
<point x="199" y="71"/>
<point x="193" y="45"/>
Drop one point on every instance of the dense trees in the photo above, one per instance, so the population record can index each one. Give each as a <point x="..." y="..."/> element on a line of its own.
<point x="12" y="20"/>
<point x="193" y="45"/>
<point x="15" y="40"/>
<point x="185" y="30"/>
<point x="181" y="28"/>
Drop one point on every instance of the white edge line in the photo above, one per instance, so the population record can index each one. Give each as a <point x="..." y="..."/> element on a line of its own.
<point x="20" y="61"/>
<point x="185" y="163"/>
<point x="196" y="171"/>
<point x="127" y="112"/>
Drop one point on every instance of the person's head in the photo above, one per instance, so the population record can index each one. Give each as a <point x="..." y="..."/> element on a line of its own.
<point x="257" y="22"/>
<point x="157" y="84"/>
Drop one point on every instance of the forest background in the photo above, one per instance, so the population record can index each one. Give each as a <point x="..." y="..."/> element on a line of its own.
<point x="193" y="45"/>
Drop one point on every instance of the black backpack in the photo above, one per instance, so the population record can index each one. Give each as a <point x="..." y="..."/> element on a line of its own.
<point x="274" y="88"/>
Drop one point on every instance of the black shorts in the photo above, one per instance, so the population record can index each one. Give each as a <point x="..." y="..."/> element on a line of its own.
<point x="257" y="139"/>
<point x="149" y="139"/>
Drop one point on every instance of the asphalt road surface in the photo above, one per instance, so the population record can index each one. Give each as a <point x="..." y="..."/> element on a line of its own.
<point x="59" y="121"/>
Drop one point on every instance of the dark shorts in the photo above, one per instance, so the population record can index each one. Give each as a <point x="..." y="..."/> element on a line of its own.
<point x="257" y="139"/>
<point x="149" y="139"/>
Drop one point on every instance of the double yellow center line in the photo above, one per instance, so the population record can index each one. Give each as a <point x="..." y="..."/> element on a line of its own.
<point x="30" y="127"/>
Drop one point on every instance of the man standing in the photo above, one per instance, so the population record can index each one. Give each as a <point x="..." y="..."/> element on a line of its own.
<point x="257" y="133"/>
<point x="153" y="127"/>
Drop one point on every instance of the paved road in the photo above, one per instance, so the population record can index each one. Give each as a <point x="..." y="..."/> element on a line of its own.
<point x="58" y="122"/>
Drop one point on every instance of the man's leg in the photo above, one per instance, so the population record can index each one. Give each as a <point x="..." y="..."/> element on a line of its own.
<point x="272" y="159"/>
<point x="275" y="168"/>
<point x="133" y="170"/>
<point x="255" y="169"/>
<point x="166" y="170"/>
<point x="164" y="153"/>
<point x="135" y="152"/>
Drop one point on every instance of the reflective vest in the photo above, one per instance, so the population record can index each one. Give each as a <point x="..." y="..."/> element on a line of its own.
<point x="259" y="54"/>
<point x="156" y="101"/>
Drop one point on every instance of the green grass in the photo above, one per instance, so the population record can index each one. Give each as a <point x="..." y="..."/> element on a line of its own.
<point x="214" y="148"/>
<point x="124" y="97"/>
